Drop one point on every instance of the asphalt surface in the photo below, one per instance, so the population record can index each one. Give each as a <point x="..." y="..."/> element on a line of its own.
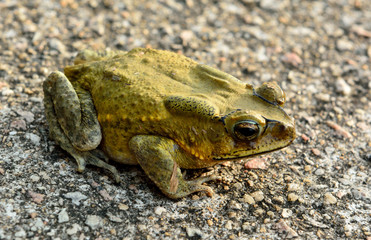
<point x="319" y="187"/>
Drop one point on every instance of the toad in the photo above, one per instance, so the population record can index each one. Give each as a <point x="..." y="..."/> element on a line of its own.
<point x="163" y="111"/>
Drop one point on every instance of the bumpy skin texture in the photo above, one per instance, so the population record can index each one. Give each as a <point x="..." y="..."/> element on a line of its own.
<point x="162" y="111"/>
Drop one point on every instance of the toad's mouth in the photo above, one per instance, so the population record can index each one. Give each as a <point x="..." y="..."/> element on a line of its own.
<point x="235" y="157"/>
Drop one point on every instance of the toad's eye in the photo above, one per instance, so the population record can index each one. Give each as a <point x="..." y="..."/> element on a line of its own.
<point x="246" y="130"/>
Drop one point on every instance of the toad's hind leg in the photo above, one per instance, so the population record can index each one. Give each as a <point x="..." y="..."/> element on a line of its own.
<point x="73" y="122"/>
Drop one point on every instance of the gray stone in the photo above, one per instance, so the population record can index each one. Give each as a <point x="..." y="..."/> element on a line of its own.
<point x="194" y="232"/>
<point x="63" y="216"/>
<point x="76" y="197"/>
<point x="94" y="221"/>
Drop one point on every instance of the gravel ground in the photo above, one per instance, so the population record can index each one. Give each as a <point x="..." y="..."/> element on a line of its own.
<point x="319" y="187"/>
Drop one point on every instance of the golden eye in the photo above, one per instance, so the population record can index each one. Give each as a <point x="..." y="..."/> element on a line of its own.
<point x="246" y="130"/>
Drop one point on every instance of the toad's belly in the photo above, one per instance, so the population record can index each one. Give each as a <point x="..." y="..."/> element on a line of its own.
<point x="119" y="155"/>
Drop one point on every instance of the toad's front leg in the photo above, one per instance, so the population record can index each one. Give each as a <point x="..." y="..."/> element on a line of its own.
<point x="158" y="156"/>
<point x="73" y="122"/>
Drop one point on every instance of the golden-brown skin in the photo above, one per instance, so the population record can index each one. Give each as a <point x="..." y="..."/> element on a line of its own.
<point x="162" y="111"/>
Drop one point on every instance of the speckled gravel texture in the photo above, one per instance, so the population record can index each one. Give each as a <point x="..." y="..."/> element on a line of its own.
<point x="319" y="187"/>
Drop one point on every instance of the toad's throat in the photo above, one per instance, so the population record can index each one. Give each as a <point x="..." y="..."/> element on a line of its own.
<point x="228" y="158"/>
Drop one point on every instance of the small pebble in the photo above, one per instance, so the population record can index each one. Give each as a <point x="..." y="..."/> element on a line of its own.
<point x="361" y="193"/>
<point x="305" y="138"/>
<point x="34" y="178"/>
<point x="257" y="163"/>
<point x="292" y="58"/>
<point x="343" y="87"/>
<point x="33" y="138"/>
<point x="63" y="216"/>
<point x="76" y="197"/>
<point x="122" y="206"/>
<point x="57" y="45"/>
<point x="20" y="233"/>
<point x="283" y="227"/>
<point x="142" y="227"/>
<point x="159" y="210"/>
<point x="319" y="172"/>
<point x="278" y="200"/>
<point x="36" y="197"/>
<point x="273" y="5"/>
<point x="307" y="168"/>
<point x="316" y="152"/>
<point x="74" y="229"/>
<point x="28" y="116"/>
<point x="344" y="45"/>
<point x="341" y="131"/>
<point x="329" y="198"/>
<point x="37" y="224"/>
<point x="259" y="212"/>
<point x="94" y="221"/>
<point x="292" y="197"/>
<point x="229" y="225"/>
<point x="248" y="199"/>
<point x="194" y="233"/>
<point x="292" y="187"/>
<point x="238" y="186"/>
<point x="258" y="196"/>
<point x="114" y="218"/>
<point x="286" y="213"/>
<point x="19" y="124"/>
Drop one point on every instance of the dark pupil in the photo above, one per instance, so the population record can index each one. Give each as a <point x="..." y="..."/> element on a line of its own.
<point x="246" y="131"/>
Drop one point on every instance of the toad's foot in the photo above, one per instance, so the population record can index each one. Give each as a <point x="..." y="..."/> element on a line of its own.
<point x="93" y="157"/>
<point x="159" y="158"/>
<point x="197" y="186"/>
